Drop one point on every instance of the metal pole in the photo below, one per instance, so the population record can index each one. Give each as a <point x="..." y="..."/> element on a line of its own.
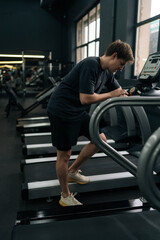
<point x="24" y="79"/>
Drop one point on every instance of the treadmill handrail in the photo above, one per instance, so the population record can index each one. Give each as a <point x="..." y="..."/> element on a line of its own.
<point x="95" y="120"/>
<point x="146" y="166"/>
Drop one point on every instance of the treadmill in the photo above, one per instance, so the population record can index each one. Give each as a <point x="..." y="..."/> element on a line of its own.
<point x="128" y="225"/>
<point x="39" y="183"/>
<point x="99" y="220"/>
<point x="35" y="186"/>
<point x="43" y="126"/>
<point x="28" y="120"/>
<point x="24" y="111"/>
<point x="39" y="173"/>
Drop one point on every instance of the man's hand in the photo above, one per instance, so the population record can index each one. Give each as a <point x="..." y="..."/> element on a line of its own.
<point x="124" y="93"/>
<point x="119" y="92"/>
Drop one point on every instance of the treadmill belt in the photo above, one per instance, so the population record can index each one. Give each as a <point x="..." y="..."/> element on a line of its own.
<point x="40" y="138"/>
<point x="24" y="122"/>
<point x="37" y="139"/>
<point x="128" y="226"/>
<point x="93" y="166"/>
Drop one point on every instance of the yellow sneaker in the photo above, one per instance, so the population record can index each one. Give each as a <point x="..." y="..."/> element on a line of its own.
<point x="78" y="178"/>
<point x="69" y="201"/>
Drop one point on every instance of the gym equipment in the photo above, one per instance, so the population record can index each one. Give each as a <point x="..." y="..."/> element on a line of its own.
<point x="22" y="121"/>
<point x="46" y="185"/>
<point x="103" y="175"/>
<point x="34" y="127"/>
<point x="13" y="98"/>
<point x="34" y="188"/>
<point x="122" y="160"/>
<point x="101" y="224"/>
<point x="149" y="163"/>
<point x="97" y="221"/>
<point x="102" y="217"/>
<point x="101" y="170"/>
<point x="36" y="78"/>
<point x="100" y="221"/>
<point x="33" y="124"/>
<point x="148" y="78"/>
<point x="40" y="137"/>
<point x="126" y="216"/>
<point x="120" y="136"/>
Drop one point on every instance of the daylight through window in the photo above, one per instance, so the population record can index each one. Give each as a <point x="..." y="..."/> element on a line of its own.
<point x="88" y="34"/>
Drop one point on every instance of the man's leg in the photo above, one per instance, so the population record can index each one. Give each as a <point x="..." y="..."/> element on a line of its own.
<point x="62" y="139"/>
<point x="67" y="199"/>
<point x="62" y="170"/>
<point x="88" y="151"/>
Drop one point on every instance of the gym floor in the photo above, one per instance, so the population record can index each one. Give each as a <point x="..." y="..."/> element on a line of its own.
<point x="10" y="173"/>
<point x="10" y="177"/>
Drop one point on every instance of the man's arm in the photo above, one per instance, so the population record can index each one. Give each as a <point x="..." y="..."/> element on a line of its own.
<point x="95" y="98"/>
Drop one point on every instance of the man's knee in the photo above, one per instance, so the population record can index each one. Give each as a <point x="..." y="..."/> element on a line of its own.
<point x="103" y="137"/>
<point x="63" y="155"/>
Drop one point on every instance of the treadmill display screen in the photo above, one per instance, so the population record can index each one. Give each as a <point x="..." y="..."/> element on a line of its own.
<point x="151" y="67"/>
<point x="154" y="60"/>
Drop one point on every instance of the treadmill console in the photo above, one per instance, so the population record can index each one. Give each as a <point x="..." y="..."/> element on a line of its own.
<point x="151" y="70"/>
<point x="148" y="78"/>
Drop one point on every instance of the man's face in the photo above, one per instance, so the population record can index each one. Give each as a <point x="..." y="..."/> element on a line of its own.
<point x="116" y="64"/>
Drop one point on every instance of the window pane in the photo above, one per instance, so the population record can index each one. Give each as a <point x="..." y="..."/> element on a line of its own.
<point x="85" y="29"/>
<point x="78" y="52"/>
<point x="79" y="33"/>
<point x="154" y="33"/>
<point x="155" y="7"/>
<point x="91" y="49"/>
<point x="149" y="32"/>
<point x="83" y="52"/>
<point x="97" y="49"/>
<point x="148" y="9"/>
<point x="98" y="21"/>
<point x="88" y="32"/>
<point x="92" y="24"/>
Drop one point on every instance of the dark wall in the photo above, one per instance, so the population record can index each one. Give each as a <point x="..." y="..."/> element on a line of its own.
<point x="118" y="19"/>
<point x="27" y="26"/>
<point x="126" y="17"/>
<point x="106" y="24"/>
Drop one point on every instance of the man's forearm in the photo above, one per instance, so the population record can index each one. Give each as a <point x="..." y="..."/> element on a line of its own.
<point x="95" y="98"/>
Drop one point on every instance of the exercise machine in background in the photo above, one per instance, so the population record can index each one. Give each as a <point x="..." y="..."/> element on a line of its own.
<point x="41" y="97"/>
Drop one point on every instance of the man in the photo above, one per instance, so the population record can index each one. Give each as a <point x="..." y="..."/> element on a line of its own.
<point x="68" y="110"/>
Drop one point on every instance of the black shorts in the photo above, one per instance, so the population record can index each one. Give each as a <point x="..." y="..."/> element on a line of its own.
<point x="65" y="133"/>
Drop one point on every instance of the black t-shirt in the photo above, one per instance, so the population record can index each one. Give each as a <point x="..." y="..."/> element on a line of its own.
<point x="86" y="77"/>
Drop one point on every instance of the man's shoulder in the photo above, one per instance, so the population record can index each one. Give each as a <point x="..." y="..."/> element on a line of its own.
<point x="90" y="62"/>
<point x="95" y="60"/>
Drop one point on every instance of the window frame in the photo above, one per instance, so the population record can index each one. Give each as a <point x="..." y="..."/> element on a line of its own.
<point x="140" y="24"/>
<point x="95" y="40"/>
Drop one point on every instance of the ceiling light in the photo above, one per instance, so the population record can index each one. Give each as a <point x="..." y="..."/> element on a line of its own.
<point x="20" y="56"/>
<point x="11" y="62"/>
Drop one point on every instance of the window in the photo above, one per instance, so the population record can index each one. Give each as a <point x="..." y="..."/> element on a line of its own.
<point x="147" y="32"/>
<point x="88" y="34"/>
